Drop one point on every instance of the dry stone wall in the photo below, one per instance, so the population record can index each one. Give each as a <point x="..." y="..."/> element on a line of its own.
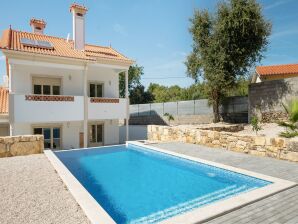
<point x="266" y="98"/>
<point x="279" y="148"/>
<point x="21" y="145"/>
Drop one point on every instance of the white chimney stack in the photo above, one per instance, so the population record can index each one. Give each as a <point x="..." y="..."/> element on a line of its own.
<point x="38" y="25"/>
<point x="78" y="24"/>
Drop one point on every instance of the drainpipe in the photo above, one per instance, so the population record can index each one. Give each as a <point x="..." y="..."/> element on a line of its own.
<point x="127" y="105"/>
<point x="85" y="107"/>
<point x="10" y="101"/>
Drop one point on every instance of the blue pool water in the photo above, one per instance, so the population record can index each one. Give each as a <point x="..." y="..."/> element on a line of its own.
<point x="138" y="185"/>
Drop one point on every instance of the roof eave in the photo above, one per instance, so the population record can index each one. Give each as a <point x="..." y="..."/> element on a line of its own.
<point x="126" y="63"/>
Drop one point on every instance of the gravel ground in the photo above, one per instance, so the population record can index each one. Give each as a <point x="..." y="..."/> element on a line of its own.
<point x="268" y="129"/>
<point x="32" y="192"/>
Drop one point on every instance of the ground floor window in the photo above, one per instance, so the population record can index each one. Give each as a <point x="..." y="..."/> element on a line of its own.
<point x="52" y="136"/>
<point x="96" y="133"/>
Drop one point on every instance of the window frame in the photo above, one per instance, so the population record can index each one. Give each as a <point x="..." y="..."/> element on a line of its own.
<point x="96" y="83"/>
<point x="90" y="133"/>
<point x="53" y="81"/>
<point x="51" y="127"/>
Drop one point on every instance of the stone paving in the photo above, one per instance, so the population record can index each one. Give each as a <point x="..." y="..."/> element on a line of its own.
<point x="278" y="209"/>
<point x="32" y="192"/>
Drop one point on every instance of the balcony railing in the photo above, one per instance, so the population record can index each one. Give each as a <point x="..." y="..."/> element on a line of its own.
<point x="58" y="108"/>
<point x="106" y="108"/>
<point x="46" y="108"/>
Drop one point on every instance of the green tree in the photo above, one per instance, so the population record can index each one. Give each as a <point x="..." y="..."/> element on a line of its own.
<point x="134" y="76"/>
<point x="138" y="95"/>
<point x="225" y="46"/>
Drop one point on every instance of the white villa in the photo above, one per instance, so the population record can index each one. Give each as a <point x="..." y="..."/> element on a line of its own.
<point x="65" y="89"/>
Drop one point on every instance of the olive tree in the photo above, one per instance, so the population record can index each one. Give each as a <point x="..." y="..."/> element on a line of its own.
<point x="226" y="44"/>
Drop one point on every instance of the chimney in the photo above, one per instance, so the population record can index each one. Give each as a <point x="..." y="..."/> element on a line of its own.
<point x="38" y="25"/>
<point x="78" y="24"/>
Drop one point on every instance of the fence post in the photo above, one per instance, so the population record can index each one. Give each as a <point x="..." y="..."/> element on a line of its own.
<point x="194" y="107"/>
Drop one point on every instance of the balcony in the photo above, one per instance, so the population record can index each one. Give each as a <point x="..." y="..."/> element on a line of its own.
<point x="57" y="108"/>
<point x="46" y="108"/>
<point x="106" y="108"/>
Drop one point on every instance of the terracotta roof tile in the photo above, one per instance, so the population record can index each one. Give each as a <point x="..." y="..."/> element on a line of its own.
<point x="77" y="6"/>
<point x="37" y="21"/>
<point x="11" y="41"/>
<point x="3" y="100"/>
<point x="277" y="70"/>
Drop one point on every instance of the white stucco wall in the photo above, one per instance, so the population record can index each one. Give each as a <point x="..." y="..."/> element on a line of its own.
<point x="109" y="77"/>
<point x="111" y="132"/>
<point x="72" y="80"/>
<point x="21" y="79"/>
<point x="71" y="132"/>
<point x="72" y="83"/>
<point x="46" y="111"/>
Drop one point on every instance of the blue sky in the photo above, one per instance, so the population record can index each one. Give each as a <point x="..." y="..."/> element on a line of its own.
<point x="154" y="33"/>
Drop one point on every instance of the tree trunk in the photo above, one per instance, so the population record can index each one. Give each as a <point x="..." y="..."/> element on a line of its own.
<point x="216" y="116"/>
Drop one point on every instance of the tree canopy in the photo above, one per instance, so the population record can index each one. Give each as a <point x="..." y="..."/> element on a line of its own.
<point x="134" y="76"/>
<point x="136" y="90"/>
<point x="225" y="45"/>
<point x="196" y="91"/>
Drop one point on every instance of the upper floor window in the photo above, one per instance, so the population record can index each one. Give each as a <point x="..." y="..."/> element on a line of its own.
<point x="46" y="86"/>
<point x="96" y="90"/>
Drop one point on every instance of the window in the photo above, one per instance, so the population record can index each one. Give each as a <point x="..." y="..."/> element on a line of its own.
<point x="56" y="90"/>
<point x="96" y="133"/>
<point x="46" y="90"/>
<point x="96" y="90"/>
<point x="46" y="86"/>
<point x="52" y="136"/>
<point x="37" y="89"/>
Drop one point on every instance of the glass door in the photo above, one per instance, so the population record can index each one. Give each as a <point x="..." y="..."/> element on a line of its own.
<point x="56" y="138"/>
<point x="52" y="136"/>
<point x="96" y="135"/>
<point x="47" y="138"/>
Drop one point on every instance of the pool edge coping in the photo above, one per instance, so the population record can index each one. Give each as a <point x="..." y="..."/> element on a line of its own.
<point x="92" y="209"/>
<point x="218" y="208"/>
<point x="97" y="214"/>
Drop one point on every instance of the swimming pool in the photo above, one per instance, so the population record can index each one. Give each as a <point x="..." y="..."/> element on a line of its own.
<point x="136" y="184"/>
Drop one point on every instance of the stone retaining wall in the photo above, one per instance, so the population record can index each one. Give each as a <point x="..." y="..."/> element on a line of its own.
<point x="21" y="145"/>
<point x="279" y="148"/>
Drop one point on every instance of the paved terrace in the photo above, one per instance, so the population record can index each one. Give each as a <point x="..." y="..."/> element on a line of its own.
<point x="280" y="208"/>
<point x="32" y="192"/>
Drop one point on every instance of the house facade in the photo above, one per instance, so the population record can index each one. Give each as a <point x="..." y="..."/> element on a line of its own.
<point x="275" y="72"/>
<point x="65" y="89"/>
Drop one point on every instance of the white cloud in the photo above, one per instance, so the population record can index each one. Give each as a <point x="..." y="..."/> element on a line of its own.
<point x="118" y="28"/>
<point x="284" y="33"/>
<point x="2" y="58"/>
<point x="276" y="4"/>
